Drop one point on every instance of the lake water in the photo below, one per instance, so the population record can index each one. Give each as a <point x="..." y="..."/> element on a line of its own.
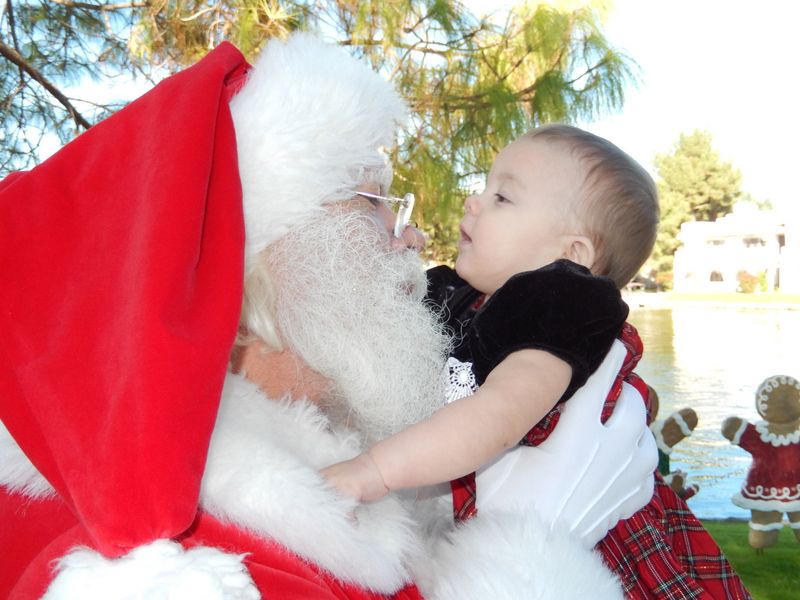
<point x="712" y="359"/>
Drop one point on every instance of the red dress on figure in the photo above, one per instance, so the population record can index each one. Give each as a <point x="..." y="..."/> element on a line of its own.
<point x="773" y="480"/>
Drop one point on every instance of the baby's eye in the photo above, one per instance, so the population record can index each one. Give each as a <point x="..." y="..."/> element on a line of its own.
<point x="500" y="199"/>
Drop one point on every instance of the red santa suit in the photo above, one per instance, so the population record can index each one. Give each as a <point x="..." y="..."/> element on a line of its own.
<point x="123" y="434"/>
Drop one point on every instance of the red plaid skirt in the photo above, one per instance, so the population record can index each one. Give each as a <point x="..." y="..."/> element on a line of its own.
<point x="663" y="551"/>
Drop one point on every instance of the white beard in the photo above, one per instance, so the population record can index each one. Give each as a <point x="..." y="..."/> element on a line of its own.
<point x="352" y="308"/>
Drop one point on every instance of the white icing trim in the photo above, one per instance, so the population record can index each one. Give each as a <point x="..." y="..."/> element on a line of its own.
<point x="682" y="424"/>
<point x="769" y="384"/>
<point x="774" y="493"/>
<point x="657" y="427"/>
<point x="790" y="504"/>
<point x="777" y="440"/>
<point x="795" y="525"/>
<point x="765" y="526"/>
<point x="738" y="435"/>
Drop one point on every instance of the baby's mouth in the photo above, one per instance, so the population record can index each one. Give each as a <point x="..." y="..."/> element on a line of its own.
<point x="464" y="236"/>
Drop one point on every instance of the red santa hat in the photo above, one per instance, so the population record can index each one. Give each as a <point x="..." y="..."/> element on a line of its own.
<point x="123" y="255"/>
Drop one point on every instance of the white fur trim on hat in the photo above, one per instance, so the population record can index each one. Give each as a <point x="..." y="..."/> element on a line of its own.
<point x="309" y="123"/>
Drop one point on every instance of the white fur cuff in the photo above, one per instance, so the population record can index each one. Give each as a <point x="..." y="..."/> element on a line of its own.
<point x="160" y="570"/>
<point x="514" y="556"/>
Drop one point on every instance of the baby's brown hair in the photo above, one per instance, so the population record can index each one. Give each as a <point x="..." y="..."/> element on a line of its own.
<point x="619" y="208"/>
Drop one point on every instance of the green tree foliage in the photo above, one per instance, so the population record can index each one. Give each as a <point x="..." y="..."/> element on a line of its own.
<point x="472" y="84"/>
<point x="694" y="185"/>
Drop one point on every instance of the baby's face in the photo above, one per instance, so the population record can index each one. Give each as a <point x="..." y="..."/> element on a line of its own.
<point x="523" y="219"/>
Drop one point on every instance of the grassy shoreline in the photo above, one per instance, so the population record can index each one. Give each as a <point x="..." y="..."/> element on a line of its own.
<point x="770" y="574"/>
<point x="762" y="300"/>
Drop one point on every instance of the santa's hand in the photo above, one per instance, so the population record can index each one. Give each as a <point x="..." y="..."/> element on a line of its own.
<point x="587" y="475"/>
<point x="162" y="569"/>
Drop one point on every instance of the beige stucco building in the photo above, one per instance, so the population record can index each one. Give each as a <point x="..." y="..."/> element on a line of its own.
<point x="760" y="243"/>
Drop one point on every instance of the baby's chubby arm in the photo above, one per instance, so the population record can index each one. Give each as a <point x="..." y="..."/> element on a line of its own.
<point x="461" y="436"/>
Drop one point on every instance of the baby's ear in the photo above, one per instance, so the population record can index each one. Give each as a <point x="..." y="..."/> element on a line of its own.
<point x="581" y="251"/>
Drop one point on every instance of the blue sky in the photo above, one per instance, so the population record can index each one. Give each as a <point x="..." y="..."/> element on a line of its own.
<point x="726" y="66"/>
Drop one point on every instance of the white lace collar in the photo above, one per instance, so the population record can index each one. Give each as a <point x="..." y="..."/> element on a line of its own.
<point x="461" y="380"/>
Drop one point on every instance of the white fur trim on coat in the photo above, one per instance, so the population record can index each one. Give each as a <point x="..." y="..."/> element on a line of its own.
<point x="263" y="474"/>
<point x="309" y="121"/>
<point x="162" y="570"/>
<point x="513" y="556"/>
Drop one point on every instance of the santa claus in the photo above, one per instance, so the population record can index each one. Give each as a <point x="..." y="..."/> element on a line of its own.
<point x="138" y="460"/>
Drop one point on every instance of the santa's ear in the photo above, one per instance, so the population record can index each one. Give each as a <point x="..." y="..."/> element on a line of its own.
<point x="580" y="249"/>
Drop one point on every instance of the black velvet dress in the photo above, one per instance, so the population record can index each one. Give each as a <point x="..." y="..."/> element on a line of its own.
<point x="561" y="308"/>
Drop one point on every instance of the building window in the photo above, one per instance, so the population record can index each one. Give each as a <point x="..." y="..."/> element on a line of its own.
<point x="716" y="276"/>
<point x="752" y="242"/>
<point x="716" y="242"/>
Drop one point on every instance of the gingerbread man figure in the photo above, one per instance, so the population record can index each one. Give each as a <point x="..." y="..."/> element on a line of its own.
<point x="668" y="432"/>
<point x="772" y="486"/>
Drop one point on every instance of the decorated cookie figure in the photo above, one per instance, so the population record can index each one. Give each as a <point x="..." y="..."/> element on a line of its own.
<point x="668" y="432"/>
<point x="773" y="481"/>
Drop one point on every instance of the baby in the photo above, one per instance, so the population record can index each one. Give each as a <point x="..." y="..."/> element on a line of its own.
<point x="565" y="221"/>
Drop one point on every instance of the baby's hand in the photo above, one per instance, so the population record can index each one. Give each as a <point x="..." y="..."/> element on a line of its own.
<point x="358" y="478"/>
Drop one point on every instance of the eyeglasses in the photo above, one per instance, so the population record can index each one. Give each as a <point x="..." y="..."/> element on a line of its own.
<point x="404" y="207"/>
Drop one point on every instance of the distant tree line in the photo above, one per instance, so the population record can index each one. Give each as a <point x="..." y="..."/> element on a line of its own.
<point x="694" y="184"/>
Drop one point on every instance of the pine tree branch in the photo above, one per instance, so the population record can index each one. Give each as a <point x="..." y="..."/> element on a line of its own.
<point x="196" y="15"/>
<point x="101" y="7"/>
<point x="589" y="70"/>
<point x="12" y="26"/>
<point x="449" y="48"/>
<point x="12" y="55"/>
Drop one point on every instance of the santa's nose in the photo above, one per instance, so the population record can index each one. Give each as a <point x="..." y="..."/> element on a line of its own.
<point x="411" y="238"/>
<point x="471" y="205"/>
